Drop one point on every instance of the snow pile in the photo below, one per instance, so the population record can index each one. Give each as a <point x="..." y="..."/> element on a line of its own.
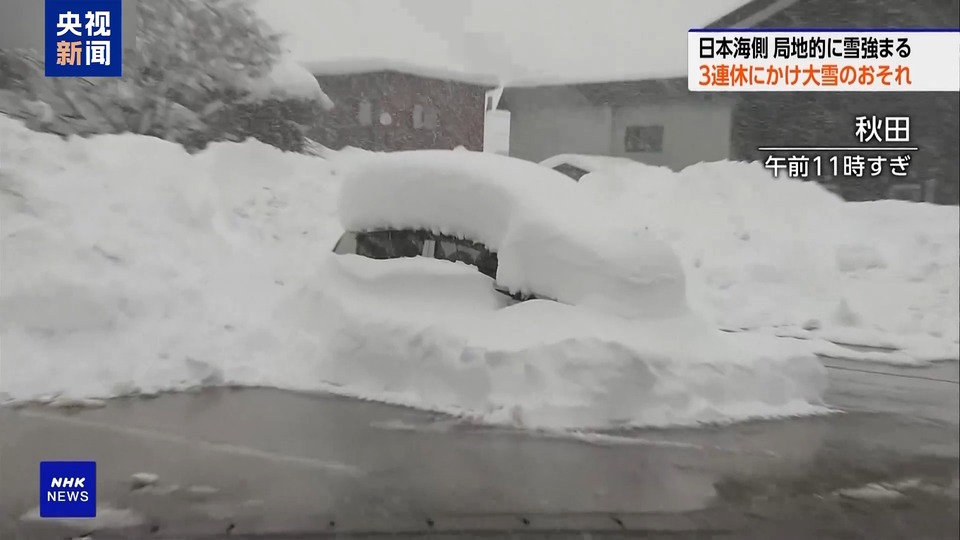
<point x="792" y="259"/>
<point x="549" y="243"/>
<point x="131" y="266"/>
<point x="434" y="334"/>
<point x="128" y="264"/>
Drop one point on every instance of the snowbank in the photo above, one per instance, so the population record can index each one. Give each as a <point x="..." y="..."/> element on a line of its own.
<point x="792" y="259"/>
<point x="128" y="264"/>
<point x="131" y="266"/>
<point x="433" y="334"/>
<point x="550" y="243"/>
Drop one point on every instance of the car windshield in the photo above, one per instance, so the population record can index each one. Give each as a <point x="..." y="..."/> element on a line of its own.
<point x="389" y="244"/>
<point x="392" y="244"/>
<point x="479" y="268"/>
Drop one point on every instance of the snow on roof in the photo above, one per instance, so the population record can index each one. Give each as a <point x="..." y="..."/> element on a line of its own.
<point x="288" y="79"/>
<point x="549" y="239"/>
<point x="493" y="186"/>
<point x="373" y="65"/>
<point x="529" y="43"/>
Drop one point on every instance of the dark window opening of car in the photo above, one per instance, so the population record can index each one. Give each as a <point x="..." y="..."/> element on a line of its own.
<point x="395" y="244"/>
<point x="573" y="172"/>
<point x="639" y="139"/>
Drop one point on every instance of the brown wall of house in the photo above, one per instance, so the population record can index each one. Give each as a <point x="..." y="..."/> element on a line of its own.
<point x="458" y="108"/>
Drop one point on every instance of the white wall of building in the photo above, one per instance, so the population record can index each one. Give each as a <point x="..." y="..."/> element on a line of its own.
<point x="543" y="132"/>
<point x="548" y="122"/>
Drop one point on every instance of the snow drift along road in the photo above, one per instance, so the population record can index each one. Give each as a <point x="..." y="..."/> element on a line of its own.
<point x="790" y="258"/>
<point x="129" y="265"/>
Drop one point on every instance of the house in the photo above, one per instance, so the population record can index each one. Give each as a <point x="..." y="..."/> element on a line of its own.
<point x="388" y="110"/>
<point x="410" y="107"/>
<point x="654" y="121"/>
<point x="660" y="122"/>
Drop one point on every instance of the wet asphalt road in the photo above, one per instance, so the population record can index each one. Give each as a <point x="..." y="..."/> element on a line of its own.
<point x="260" y="461"/>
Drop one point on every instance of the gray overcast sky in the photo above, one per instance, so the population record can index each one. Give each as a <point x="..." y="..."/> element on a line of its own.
<point x="514" y="40"/>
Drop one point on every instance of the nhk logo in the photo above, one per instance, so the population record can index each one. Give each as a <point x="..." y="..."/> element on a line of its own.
<point x="64" y="495"/>
<point x="68" y="489"/>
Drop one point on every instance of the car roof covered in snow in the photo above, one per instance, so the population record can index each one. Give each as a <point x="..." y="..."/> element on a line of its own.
<point x="470" y="194"/>
<point x="587" y="162"/>
<point x="551" y="239"/>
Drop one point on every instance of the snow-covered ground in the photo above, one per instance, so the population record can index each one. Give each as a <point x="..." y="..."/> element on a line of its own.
<point x="792" y="259"/>
<point x="618" y="345"/>
<point x="129" y="265"/>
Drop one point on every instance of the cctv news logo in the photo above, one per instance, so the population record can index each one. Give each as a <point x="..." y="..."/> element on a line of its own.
<point x="68" y="489"/>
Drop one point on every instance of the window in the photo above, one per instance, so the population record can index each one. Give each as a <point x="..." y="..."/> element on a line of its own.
<point x="573" y="172"/>
<point x="394" y="244"/>
<point x="347" y="244"/>
<point x="385" y="118"/>
<point x="643" y="139"/>
<point x="365" y="113"/>
<point x="417" y="116"/>
<point x="389" y="244"/>
<point x="457" y="249"/>
<point x="454" y="249"/>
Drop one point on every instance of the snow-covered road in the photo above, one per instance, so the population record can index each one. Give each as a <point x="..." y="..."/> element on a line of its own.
<point x="930" y="394"/>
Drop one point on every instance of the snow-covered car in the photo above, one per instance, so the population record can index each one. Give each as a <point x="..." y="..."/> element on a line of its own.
<point x="409" y="307"/>
<point x="526" y="228"/>
<point x="608" y="176"/>
<point x="576" y="166"/>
